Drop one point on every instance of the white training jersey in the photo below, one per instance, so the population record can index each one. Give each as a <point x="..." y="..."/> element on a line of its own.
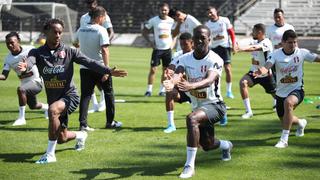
<point x="196" y="70"/>
<point x="162" y="31"/>
<point x="11" y="62"/>
<point x="289" y="69"/>
<point x="220" y="28"/>
<point x="91" y="38"/>
<point x="187" y="26"/>
<point x="175" y="57"/>
<point x="260" y="57"/>
<point x="274" y="32"/>
<point x="85" y="19"/>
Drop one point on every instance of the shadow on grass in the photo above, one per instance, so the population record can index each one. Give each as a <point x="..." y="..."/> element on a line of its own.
<point x="24" y="157"/>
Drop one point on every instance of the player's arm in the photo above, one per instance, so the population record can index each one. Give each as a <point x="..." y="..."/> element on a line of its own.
<point x="4" y="75"/>
<point x="174" y="79"/>
<point x="111" y="33"/>
<point x="175" y="32"/>
<point x="105" y="54"/>
<point x="184" y="85"/>
<point x="263" y="70"/>
<point x="249" y="48"/>
<point x="233" y="38"/>
<point x="145" y="34"/>
<point x="317" y="59"/>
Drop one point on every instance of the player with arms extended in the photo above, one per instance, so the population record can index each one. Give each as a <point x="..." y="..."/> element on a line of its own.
<point x="288" y="62"/>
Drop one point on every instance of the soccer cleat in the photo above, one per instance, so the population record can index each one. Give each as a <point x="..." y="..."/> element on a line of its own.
<point x="86" y="128"/>
<point x="226" y="153"/>
<point x="95" y="108"/>
<point x="224" y="120"/>
<point x="46" y="114"/>
<point x="247" y="115"/>
<point x="81" y="142"/>
<point x="170" y="129"/>
<point x="300" y="129"/>
<point x="19" y="122"/>
<point x="228" y="107"/>
<point x="102" y="106"/>
<point x="113" y="125"/>
<point x="281" y="144"/>
<point x="187" y="172"/>
<point x="147" y="94"/>
<point x="230" y="95"/>
<point x="163" y="94"/>
<point x="46" y="158"/>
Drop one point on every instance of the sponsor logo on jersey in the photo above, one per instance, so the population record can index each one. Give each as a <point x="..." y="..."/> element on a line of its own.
<point x="54" y="83"/>
<point x="289" y="79"/>
<point x="53" y="70"/>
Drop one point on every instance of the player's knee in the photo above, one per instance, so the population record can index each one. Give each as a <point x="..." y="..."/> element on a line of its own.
<point x="191" y="121"/>
<point x="20" y="90"/>
<point x="243" y="83"/>
<point x="54" y="111"/>
<point x="289" y="103"/>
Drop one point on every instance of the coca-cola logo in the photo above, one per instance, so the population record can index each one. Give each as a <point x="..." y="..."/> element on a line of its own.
<point x="53" y="70"/>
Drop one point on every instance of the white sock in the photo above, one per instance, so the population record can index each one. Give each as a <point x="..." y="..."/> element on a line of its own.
<point x="285" y="135"/>
<point x="224" y="144"/>
<point x="300" y="124"/>
<point x="162" y="89"/>
<point x="274" y="102"/>
<point x="79" y="134"/>
<point x="229" y="85"/>
<point x="170" y="115"/>
<point x="22" y="112"/>
<point x="94" y="99"/>
<point x="149" y="88"/>
<point x="247" y="105"/>
<point x="51" y="147"/>
<point x="102" y="96"/>
<point x="44" y="107"/>
<point x="191" y="156"/>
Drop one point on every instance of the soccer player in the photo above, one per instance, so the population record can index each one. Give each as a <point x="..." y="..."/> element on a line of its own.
<point x="84" y="20"/>
<point x="176" y="95"/>
<point x="161" y="26"/>
<point x="184" y="23"/>
<point x="55" y="64"/>
<point x="221" y="30"/>
<point x="94" y="42"/>
<point x="31" y="83"/>
<point x="203" y="70"/>
<point x="288" y="61"/>
<point x="261" y="49"/>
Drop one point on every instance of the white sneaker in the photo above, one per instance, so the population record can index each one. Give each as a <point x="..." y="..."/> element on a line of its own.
<point x="95" y="108"/>
<point x="46" y="115"/>
<point x="281" y="144"/>
<point x="247" y="115"/>
<point x="114" y="124"/>
<point x="81" y="142"/>
<point x="102" y="106"/>
<point x="46" y="158"/>
<point x="87" y="128"/>
<point x="226" y="153"/>
<point x="187" y="172"/>
<point x="19" y="122"/>
<point x="300" y="129"/>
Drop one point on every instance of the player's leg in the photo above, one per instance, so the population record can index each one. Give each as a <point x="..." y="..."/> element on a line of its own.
<point x="245" y="83"/>
<point x="87" y="87"/>
<point x="227" y="68"/>
<point x="170" y="99"/>
<point x="32" y="89"/>
<point x="102" y="103"/>
<point x="166" y="57"/>
<point x="155" y="61"/>
<point x="22" y="107"/>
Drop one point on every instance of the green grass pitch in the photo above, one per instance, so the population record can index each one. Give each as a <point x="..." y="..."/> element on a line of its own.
<point x="140" y="149"/>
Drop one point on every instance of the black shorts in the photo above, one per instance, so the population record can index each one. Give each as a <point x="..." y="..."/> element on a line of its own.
<point x="280" y="101"/>
<point x="31" y="88"/>
<point x="266" y="82"/>
<point x="224" y="53"/>
<point x="183" y="97"/>
<point x="71" y="101"/>
<point x="164" y="55"/>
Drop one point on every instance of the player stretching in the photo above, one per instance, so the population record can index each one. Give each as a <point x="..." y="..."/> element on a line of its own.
<point x="203" y="70"/>
<point x="288" y="62"/>
<point x="31" y="83"/>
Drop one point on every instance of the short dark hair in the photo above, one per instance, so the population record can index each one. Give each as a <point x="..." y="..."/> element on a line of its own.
<point x="202" y="27"/>
<point x="97" y="11"/>
<point x="185" y="36"/>
<point x="289" y="34"/>
<point x="12" y="34"/>
<point x="164" y="4"/>
<point x="211" y="7"/>
<point x="90" y="1"/>
<point x="260" y="27"/>
<point x="50" y="22"/>
<point x="173" y="12"/>
<point x="277" y="10"/>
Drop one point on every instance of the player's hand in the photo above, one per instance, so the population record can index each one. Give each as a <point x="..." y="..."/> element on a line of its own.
<point x="22" y="65"/>
<point x="168" y="85"/>
<point x="235" y="48"/>
<point x="168" y="73"/>
<point x="184" y="85"/>
<point x="118" y="72"/>
<point x="261" y="71"/>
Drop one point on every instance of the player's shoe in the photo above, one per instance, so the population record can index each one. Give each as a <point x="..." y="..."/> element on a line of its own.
<point x="19" y="122"/>
<point x="163" y="94"/>
<point x="300" y="129"/>
<point x="102" y="106"/>
<point x="224" y="120"/>
<point x="114" y="124"/>
<point x="170" y="129"/>
<point x="46" y="158"/>
<point x="230" y="95"/>
<point x="228" y="107"/>
<point x="81" y="142"/>
<point x="95" y="108"/>
<point x="187" y="172"/>
<point x="274" y="108"/>
<point x="86" y="128"/>
<point x="226" y="153"/>
<point x="46" y="115"/>
<point x="147" y="94"/>
<point x="247" y="115"/>
<point x="281" y="144"/>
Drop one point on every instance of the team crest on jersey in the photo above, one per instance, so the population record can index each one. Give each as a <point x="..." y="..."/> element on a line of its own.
<point x="203" y="68"/>
<point x="296" y="59"/>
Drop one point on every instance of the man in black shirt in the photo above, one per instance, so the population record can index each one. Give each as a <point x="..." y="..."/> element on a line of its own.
<point x="55" y="64"/>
